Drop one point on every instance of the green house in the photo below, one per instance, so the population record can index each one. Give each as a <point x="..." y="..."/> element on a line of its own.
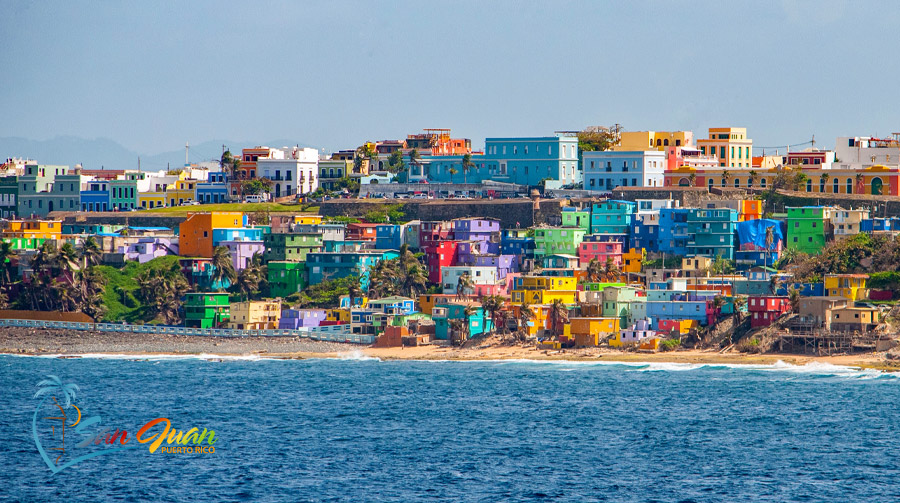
<point x="290" y="246"/>
<point x="286" y="277"/>
<point x="557" y="240"/>
<point x="617" y="302"/>
<point x="206" y="310"/>
<point x="572" y="217"/>
<point x="9" y="196"/>
<point x="808" y="228"/>
<point x="123" y="193"/>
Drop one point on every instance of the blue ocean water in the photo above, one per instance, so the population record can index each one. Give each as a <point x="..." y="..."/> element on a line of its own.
<point x="350" y="430"/>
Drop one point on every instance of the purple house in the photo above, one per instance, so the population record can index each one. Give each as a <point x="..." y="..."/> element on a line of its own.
<point x="292" y="319"/>
<point x="242" y="251"/>
<point x="149" y="248"/>
<point x="483" y="230"/>
<point x="504" y="264"/>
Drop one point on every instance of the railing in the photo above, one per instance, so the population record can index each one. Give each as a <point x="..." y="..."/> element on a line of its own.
<point x="329" y="333"/>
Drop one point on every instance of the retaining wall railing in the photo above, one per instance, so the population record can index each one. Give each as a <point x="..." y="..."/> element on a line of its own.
<point x="330" y="333"/>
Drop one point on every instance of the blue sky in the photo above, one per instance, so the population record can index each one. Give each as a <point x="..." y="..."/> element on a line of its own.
<point x="152" y="75"/>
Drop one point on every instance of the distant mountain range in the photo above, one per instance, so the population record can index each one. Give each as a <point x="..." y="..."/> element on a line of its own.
<point x="105" y="153"/>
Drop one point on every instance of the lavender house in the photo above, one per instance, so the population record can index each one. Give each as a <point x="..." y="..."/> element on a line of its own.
<point x="483" y="230"/>
<point x="242" y="252"/>
<point x="149" y="248"/>
<point x="292" y="319"/>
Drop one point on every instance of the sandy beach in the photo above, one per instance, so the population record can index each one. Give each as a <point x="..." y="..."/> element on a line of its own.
<point x="27" y="341"/>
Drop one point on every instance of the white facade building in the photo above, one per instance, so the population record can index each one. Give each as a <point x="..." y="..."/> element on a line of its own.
<point x="292" y="170"/>
<point x="606" y="170"/>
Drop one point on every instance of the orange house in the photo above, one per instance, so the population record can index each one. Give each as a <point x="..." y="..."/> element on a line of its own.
<point x="195" y="234"/>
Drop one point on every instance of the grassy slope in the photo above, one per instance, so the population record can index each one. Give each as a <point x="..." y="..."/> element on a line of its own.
<point x="125" y="279"/>
<point x="244" y="207"/>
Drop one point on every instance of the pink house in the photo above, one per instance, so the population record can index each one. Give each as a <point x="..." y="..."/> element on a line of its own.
<point x="600" y="250"/>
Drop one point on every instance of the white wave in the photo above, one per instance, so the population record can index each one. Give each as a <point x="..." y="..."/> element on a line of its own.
<point x="357" y="355"/>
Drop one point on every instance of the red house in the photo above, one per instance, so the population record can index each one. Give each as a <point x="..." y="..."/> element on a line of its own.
<point x="444" y="253"/>
<point x="765" y="309"/>
<point x="360" y="232"/>
<point x="432" y="233"/>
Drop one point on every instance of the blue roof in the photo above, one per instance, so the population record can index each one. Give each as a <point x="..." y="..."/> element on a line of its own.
<point x="150" y="228"/>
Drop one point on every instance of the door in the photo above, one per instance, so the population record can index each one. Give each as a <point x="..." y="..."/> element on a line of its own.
<point x="876" y="186"/>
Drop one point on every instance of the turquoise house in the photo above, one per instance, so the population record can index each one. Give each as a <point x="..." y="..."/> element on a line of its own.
<point x="612" y="217"/>
<point x="443" y="314"/>
<point x="711" y="232"/>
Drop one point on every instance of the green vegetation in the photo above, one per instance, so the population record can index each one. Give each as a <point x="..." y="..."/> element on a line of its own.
<point x="244" y="207"/>
<point x="123" y="289"/>
<point x="671" y="262"/>
<point x="859" y="254"/>
<point x="393" y="213"/>
<point x="404" y="275"/>
<point x="669" y="344"/>
<point x="327" y="294"/>
<point x="886" y="280"/>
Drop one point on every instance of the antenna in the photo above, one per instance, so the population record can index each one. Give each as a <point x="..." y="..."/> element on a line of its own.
<point x="813" y="141"/>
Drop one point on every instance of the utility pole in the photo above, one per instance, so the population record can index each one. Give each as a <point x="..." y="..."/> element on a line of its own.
<point x="186" y="149"/>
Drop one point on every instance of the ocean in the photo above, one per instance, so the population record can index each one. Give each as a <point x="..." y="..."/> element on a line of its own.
<point x="367" y="430"/>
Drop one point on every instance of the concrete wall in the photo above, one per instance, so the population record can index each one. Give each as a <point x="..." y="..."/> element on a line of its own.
<point x="510" y="212"/>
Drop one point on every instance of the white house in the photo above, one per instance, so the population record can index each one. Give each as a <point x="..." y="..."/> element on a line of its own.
<point x="292" y="170"/>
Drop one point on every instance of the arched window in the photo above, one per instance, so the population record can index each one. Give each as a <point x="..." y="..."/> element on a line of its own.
<point x="666" y="142"/>
<point x="762" y="183"/>
<point x="737" y="183"/>
<point x="710" y="183"/>
<point x="658" y="142"/>
<point x="836" y="186"/>
<point x="849" y="186"/>
<point x="821" y="184"/>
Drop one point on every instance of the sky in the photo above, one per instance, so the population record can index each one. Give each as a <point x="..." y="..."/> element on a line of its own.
<point x="333" y="74"/>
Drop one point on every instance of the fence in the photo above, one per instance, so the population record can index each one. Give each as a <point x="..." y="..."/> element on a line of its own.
<point x="330" y="333"/>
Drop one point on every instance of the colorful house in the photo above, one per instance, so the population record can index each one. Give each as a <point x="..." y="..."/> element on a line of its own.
<point x="333" y="266"/>
<point x="673" y="231"/>
<point x="712" y="232"/>
<point x="765" y="309"/>
<point x="575" y="217"/>
<point x="195" y="234"/>
<point x="633" y="335"/>
<point x="293" y="319"/>
<point x="602" y="251"/>
<point x="612" y="217"/>
<point x="849" y="286"/>
<point x="286" y="277"/>
<point x="485" y="231"/>
<point x="443" y="314"/>
<point x="847" y="223"/>
<point x="808" y="228"/>
<point x="206" y="310"/>
<point x="255" y="315"/>
<point x="290" y="246"/>
<point x="438" y="256"/>
<point x="556" y="240"/>
<point x="589" y="332"/>
<point x="544" y="290"/>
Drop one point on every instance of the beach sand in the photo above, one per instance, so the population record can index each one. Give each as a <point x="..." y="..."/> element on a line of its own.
<point x="28" y="341"/>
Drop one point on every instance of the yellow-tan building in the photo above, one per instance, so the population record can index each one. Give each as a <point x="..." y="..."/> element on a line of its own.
<point x="849" y="286"/>
<point x="730" y="144"/>
<point x="255" y="315"/>
<point x="33" y="229"/>
<point x="630" y="141"/>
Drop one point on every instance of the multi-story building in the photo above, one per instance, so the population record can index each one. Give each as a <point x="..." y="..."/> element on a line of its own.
<point x="444" y="313"/>
<point x="484" y="279"/>
<point x="612" y="217"/>
<point x="335" y="265"/>
<point x="544" y="289"/>
<point x="765" y="309"/>
<point x="653" y="140"/>
<point x="195" y="234"/>
<point x="712" y="232"/>
<point x="673" y="231"/>
<point x="286" y="278"/>
<point x="606" y="170"/>
<point x="601" y="251"/>
<point x="847" y="223"/>
<point x="214" y="189"/>
<point x="575" y="217"/>
<point x="9" y="196"/>
<point x="43" y="189"/>
<point x="206" y="309"/>
<point x="557" y="240"/>
<point x="849" y="286"/>
<point x="517" y="242"/>
<point x="809" y="227"/>
<point x="485" y="231"/>
<point x="290" y="246"/>
<point x="730" y="144"/>
<point x="255" y="315"/>
<point x="95" y="195"/>
<point x="123" y="191"/>
<point x="293" y="171"/>
<point x="332" y="170"/>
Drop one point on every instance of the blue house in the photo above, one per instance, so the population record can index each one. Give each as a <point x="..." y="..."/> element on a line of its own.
<point x="644" y="232"/>
<point x="388" y="237"/>
<point x="879" y="224"/>
<point x="214" y="189"/>
<point x="712" y="232"/>
<point x="96" y="196"/>
<point x="524" y="161"/>
<point x="608" y="169"/>
<point x="444" y="313"/>
<point x="516" y="242"/>
<point x="612" y="217"/>
<point x="334" y="265"/>
<point x="237" y="234"/>
<point x="393" y="305"/>
<point x="673" y="231"/>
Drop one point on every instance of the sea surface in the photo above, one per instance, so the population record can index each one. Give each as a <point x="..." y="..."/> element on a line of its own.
<point x="365" y="430"/>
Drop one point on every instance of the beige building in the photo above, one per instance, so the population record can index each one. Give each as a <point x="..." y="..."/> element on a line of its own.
<point x="854" y="319"/>
<point x="639" y="141"/>
<point x="255" y="315"/>
<point x="730" y="145"/>
<point x="816" y="311"/>
<point x="846" y="222"/>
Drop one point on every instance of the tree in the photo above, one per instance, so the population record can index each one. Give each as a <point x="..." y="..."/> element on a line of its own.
<point x="226" y="162"/>
<point x="596" y="138"/>
<point x="490" y="306"/>
<point x="726" y="176"/>
<point x="367" y="153"/>
<point x="395" y="162"/>
<point x="7" y="255"/>
<point x="90" y="252"/>
<point x="824" y="178"/>
<point x="66" y="258"/>
<point x="718" y="302"/>
<point x="790" y="256"/>
<point x="247" y="282"/>
<point x="794" y="299"/>
<point x="415" y="158"/>
<point x="739" y="303"/>
<point x="467" y="164"/>
<point x="256" y="186"/>
<point x="611" y="270"/>
<point x="594" y="270"/>
<point x="452" y="172"/>
<point x="692" y="180"/>
<point x="161" y="291"/>
<point x="222" y="268"/>
<point x="464" y="285"/>
<point x="770" y="242"/>
<point x="458" y="332"/>
<point x="860" y="184"/>
<point x="754" y="177"/>
<point x="559" y="316"/>
<point x="526" y="314"/>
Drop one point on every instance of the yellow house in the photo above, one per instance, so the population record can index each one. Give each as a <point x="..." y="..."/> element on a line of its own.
<point x="695" y="266"/>
<point x="653" y="140"/>
<point x="848" y="286"/>
<point x="181" y="191"/>
<point x="255" y="315"/>
<point x="539" y="323"/>
<point x="632" y="260"/>
<point x="590" y="331"/>
<point x="308" y="219"/>
<point x="730" y="145"/>
<point x="148" y="200"/>
<point x="545" y="289"/>
<point x="34" y="229"/>
<point x="338" y="314"/>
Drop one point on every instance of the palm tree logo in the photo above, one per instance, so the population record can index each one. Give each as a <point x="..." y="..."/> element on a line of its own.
<point x="53" y="388"/>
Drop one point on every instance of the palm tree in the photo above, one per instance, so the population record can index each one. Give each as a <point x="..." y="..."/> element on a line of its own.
<point x="44" y="258"/>
<point x="414" y="280"/>
<point x="414" y="158"/>
<point x="794" y="298"/>
<point x="610" y="270"/>
<point x="790" y="256"/>
<point x="718" y="302"/>
<point x="726" y="175"/>
<point x="90" y="288"/>
<point x="452" y="172"/>
<point x="526" y="314"/>
<point x="90" y="252"/>
<point x="467" y="164"/>
<point x="354" y="290"/>
<point x="860" y="184"/>
<point x="754" y="177"/>
<point x="824" y="178"/>
<point x="490" y="306"/>
<point x="7" y="254"/>
<point x="247" y="282"/>
<point x="739" y="303"/>
<point x="692" y="180"/>
<point x="458" y="329"/>
<point x="594" y="270"/>
<point x="770" y="242"/>
<point x="558" y="315"/>
<point x="463" y="285"/>
<point x="67" y="258"/>
<point x="222" y="268"/>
